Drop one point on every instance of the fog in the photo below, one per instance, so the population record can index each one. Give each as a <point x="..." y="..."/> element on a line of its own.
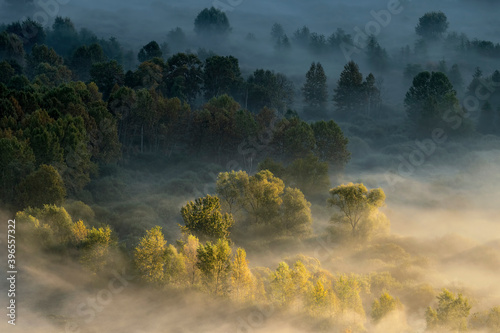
<point x="444" y="213"/>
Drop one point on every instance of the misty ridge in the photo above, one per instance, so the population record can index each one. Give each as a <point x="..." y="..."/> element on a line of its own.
<point x="250" y="166"/>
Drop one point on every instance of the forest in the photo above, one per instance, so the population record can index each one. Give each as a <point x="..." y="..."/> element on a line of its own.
<point x="229" y="176"/>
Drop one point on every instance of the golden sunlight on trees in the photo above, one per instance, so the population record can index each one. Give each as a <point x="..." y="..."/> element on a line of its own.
<point x="322" y="301"/>
<point x="382" y="306"/>
<point x="282" y="287"/>
<point x="241" y="278"/>
<point x="189" y="249"/>
<point x="156" y="262"/>
<point x="347" y="289"/>
<point x="262" y="200"/>
<point x="96" y="248"/>
<point x="358" y="207"/>
<point x="214" y="262"/>
<point x="452" y="312"/>
<point x="203" y="218"/>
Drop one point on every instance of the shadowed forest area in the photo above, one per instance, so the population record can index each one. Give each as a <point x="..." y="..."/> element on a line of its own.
<point x="251" y="167"/>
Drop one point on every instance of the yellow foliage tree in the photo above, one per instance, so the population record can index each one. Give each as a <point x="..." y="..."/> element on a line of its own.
<point x="241" y="277"/>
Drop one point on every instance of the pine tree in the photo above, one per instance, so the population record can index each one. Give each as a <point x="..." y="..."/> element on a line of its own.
<point x="372" y="95"/>
<point x="348" y="95"/>
<point x="315" y="89"/>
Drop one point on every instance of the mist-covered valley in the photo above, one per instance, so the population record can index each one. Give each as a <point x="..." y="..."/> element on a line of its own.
<point x="237" y="166"/>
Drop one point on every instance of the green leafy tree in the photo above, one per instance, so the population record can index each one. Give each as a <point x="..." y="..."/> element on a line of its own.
<point x="212" y="22"/>
<point x="309" y="174"/>
<point x="106" y="75"/>
<point x="263" y="198"/>
<point x="347" y="290"/>
<point x="11" y="48"/>
<point x="29" y="31"/>
<point x="184" y="76"/>
<point x="63" y="37"/>
<point x="296" y="219"/>
<point x="53" y="225"/>
<point x="84" y="57"/>
<point x="16" y="162"/>
<point x="41" y="187"/>
<point x="315" y="90"/>
<point x="176" y="39"/>
<point x="149" y="256"/>
<point x="292" y="139"/>
<point x="276" y="168"/>
<point x="214" y="262"/>
<point x="432" y="25"/>
<point x="222" y="75"/>
<point x="7" y="72"/>
<point x="149" y="51"/>
<point x="331" y="144"/>
<point x="429" y="100"/>
<point x="42" y="54"/>
<point x="203" y="217"/>
<point x="356" y="204"/>
<point x="265" y="88"/>
<point x="215" y="127"/>
<point x="231" y="188"/>
<point x="96" y="252"/>
<point x="452" y="312"/>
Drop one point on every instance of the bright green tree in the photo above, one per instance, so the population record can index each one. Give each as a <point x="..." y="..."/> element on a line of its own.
<point x="214" y="262"/>
<point x="96" y="248"/>
<point x="149" y="256"/>
<point x="203" y="217"/>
